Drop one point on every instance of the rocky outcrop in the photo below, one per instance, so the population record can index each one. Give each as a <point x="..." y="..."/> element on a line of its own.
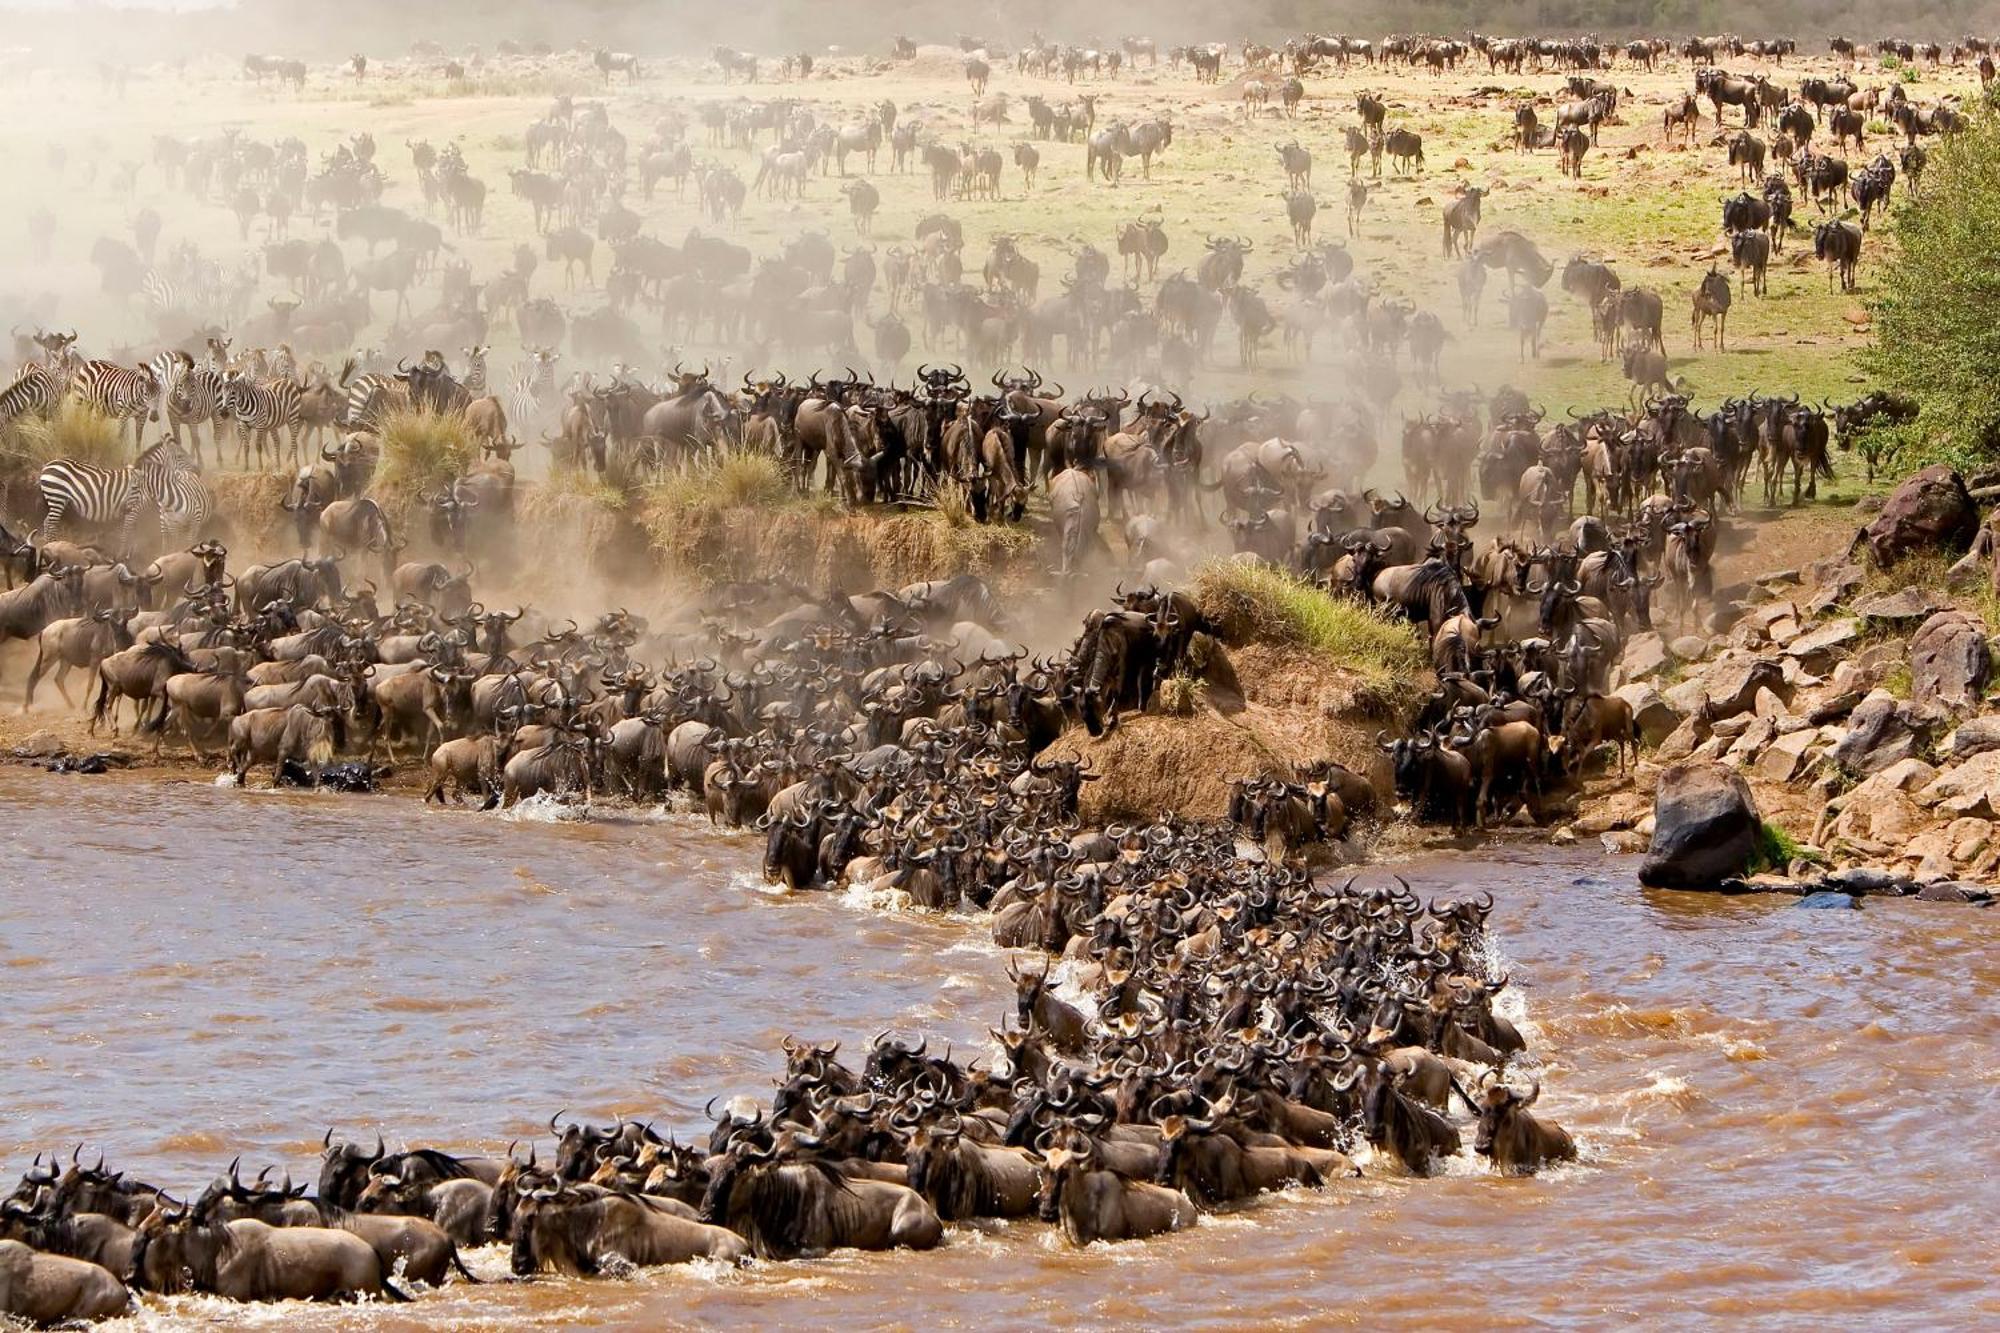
<point x="1929" y="511"/>
<point x="1949" y="662"/>
<point x="1882" y="730"/>
<point x="1706" y="828"/>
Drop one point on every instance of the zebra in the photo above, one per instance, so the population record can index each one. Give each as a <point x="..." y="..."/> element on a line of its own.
<point x="534" y="384"/>
<point x="37" y="389"/>
<point x="474" y="378"/>
<point x="120" y="393"/>
<point x="197" y="398"/>
<point x="370" y="396"/>
<point x="259" y="409"/>
<point x="96" y="497"/>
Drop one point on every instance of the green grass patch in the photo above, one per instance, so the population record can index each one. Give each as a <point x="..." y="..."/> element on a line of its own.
<point x="1777" y="850"/>
<point x="1256" y="603"/>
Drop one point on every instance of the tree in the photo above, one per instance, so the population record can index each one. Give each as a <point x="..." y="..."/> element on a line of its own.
<point x="1937" y="317"/>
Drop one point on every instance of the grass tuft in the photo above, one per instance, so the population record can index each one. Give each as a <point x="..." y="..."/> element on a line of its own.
<point x="1258" y="603"/>
<point x="421" y="450"/>
<point x="74" y="432"/>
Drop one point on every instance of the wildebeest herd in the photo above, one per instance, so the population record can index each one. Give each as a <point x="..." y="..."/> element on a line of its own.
<point x="1212" y="1018"/>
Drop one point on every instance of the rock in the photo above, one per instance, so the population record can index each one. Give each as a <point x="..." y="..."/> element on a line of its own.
<point x="1786" y="756"/>
<point x="1755" y="737"/>
<point x="1835" y="708"/>
<point x="1817" y="648"/>
<point x="1777" y="576"/>
<point x="1955" y="891"/>
<point x="1681" y="742"/>
<point x="1645" y="655"/>
<point x="1837" y="583"/>
<point x="1826" y="901"/>
<point x="1689" y="647"/>
<point x="1563" y="837"/>
<point x="1881" y="730"/>
<point x="1869" y="879"/>
<point x="1902" y="604"/>
<point x="1732" y="727"/>
<point x="1731" y="687"/>
<point x="1706" y="828"/>
<point x="1653" y="715"/>
<point x="1949" y="661"/>
<point x="1971" y="788"/>
<point x="1928" y="511"/>
<point x="1767" y="704"/>
<point x="1620" y="810"/>
<point x="40" y="745"/>
<point x="1974" y="736"/>
<point x="1622" y="844"/>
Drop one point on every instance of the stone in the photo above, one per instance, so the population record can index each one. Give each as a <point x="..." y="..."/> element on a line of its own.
<point x="1869" y="880"/>
<point x="1653" y="715"/>
<point x="1856" y="677"/>
<point x="1881" y="730"/>
<point x="1786" y="756"/>
<point x="1902" y="604"/>
<point x="1732" y="727"/>
<point x="1706" y="828"/>
<point x="1955" y="891"/>
<point x="1645" y="655"/>
<point x="1777" y="576"/>
<point x="1893" y="820"/>
<point x="1731" y="687"/>
<point x="1763" y="617"/>
<point x="1970" y="788"/>
<point x="1620" y="810"/>
<point x="1930" y="510"/>
<point x="40" y="745"/>
<point x="1767" y="704"/>
<point x="1950" y="662"/>
<point x="1825" y="900"/>
<point x="1973" y="736"/>
<point x="1834" y="708"/>
<point x="1689" y="647"/>
<point x="1622" y="843"/>
<point x="1563" y="837"/>
<point x="1755" y="737"/>
<point x="1681" y="742"/>
<point x="1836" y="585"/>
<point x="1818" y="648"/>
<point x="1782" y="630"/>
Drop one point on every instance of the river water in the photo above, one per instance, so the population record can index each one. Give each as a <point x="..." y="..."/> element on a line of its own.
<point x="1783" y="1114"/>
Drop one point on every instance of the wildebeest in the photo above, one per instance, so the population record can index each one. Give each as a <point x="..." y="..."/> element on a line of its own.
<point x="1711" y="302"/>
<point x="1839" y="244"/>
<point x="787" y="1209"/>
<point x="1516" y="1142"/>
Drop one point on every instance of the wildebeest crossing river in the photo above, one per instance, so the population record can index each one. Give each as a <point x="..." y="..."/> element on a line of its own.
<point x="1773" y="1106"/>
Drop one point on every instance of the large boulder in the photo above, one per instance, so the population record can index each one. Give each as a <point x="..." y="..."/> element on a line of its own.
<point x="1930" y="511"/>
<point x="1730" y="686"/>
<point x="1706" y="828"/>
<point x="1949" y="662"/>
<point x="1654" y="716"/>
<point x="1881" y="730"/>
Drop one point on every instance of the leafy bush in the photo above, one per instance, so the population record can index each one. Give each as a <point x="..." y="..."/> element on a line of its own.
<point x="1937" y="317"/>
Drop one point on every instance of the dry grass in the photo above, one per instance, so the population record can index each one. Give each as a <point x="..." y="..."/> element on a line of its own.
<point x="74" y="432"/>
<point x="422" y="450"/>
<point x="1255" y="603"/>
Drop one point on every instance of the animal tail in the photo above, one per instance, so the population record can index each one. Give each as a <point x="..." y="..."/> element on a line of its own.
<point x="392" y="1292"/>
<point x="459" y="1263"/>
<point x="1458" y="1088"/>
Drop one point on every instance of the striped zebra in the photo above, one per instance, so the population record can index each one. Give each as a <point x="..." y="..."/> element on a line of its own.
<point x="36" y="389"/>
<point x="197" y="399"/>
<point x="119" y="392"/>
<point x="533" y="386"/>
<point x="95" y="497"/>
<point x="474" y="378"/>
<point x="369" y="397"/>
<point x="260" y="410"/>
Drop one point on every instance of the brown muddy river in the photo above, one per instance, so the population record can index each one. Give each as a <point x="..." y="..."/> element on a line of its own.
<point x="1783" y="1114"/>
